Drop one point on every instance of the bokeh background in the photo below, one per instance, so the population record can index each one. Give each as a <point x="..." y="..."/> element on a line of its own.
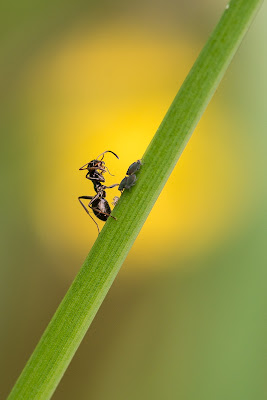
<point x="186" y="317"/>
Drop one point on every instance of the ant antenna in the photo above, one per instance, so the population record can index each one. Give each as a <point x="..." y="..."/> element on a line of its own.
<point x="84" y="167"/>
<point x="107" y="151"/>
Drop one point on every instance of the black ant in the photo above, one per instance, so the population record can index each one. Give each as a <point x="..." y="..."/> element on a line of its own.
<point x="130" y="180"/>
<point x="96" y="168"/>
<point x="98" y="203"/>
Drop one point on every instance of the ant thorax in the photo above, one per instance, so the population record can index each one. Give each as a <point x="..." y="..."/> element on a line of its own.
<point x="100" y="191"/>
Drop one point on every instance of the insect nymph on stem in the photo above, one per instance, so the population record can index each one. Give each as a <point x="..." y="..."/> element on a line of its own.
<point x="131" y="179"/>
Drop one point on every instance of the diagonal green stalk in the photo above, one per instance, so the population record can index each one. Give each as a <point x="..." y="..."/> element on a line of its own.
<point x="63" y="335"/>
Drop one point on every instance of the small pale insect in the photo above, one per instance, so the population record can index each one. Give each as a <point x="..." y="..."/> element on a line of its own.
<point x="115" y="200"/>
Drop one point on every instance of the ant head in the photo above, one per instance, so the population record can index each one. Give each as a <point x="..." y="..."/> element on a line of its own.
<point x="94" y="164"/>
<point x="103" y="163"/>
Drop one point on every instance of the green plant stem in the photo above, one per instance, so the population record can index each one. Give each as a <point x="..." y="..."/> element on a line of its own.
<point x="64" y="333"/>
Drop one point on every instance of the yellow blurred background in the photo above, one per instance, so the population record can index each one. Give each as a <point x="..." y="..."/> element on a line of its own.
<point x="186" y="317"/>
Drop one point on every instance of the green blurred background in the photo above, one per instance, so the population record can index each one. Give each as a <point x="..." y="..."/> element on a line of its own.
<point x="186" y="317"/>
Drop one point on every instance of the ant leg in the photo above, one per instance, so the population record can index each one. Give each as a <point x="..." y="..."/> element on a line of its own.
<point x="85" y="198"/>
<point x="88" y="198"/>
<point x="110" y="187"/>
